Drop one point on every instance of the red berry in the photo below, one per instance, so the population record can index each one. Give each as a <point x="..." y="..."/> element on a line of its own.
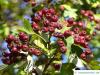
<point x="24" y="47"/>
<point x="21" y="34"/>
<point x="83" y="56"/>
<point x="14" y="49"/>
<point x="46" y="22"/>
<point x="57" y="66"/>
<point x="40" y="13"/>
<point x="88" y="37"/>
<point x="48" y="15"/>
<point x="91" y="18"/>
<point x="45" y="29"/>
<point x="10" y="38"/>
<point x="88" y="51"/>
<point x="82" y="12"/>
<point x="33" y="3"/>
<point x="52" y="11"/>
<point x="36" y="18"/>
<point x="55" y="18"/>
<point x="76" y="30"/>
<point x="70" y="21"/>
<point x="35" y="26"/>
<point x="51" y="29"/>
<point x="62" y="7"/>
<point x="82" y="33"/>
<point x="63" y="49"/>
<point x="25" y="38"/>
<point x="44" y="11"/>
<point x="80" y="23"/>
<point x="60" y="43"/>
<point x="67" y="33"/>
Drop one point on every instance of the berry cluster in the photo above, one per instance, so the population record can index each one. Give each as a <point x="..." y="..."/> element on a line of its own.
<point x="17" y="46"/>
<point x="45" y="20"/>
<point x="78" y="29"/>
<point x="87" y="55"/>
<point x="62" y="47"/>
<point x="88" y="13"/>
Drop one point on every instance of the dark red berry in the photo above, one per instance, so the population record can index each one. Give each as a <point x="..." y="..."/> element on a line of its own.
<point x="44" y="11"/>
<point x="21" y="34"/>
<point x="46" y="22"/>
<point x="25" y="38"/>
<point x="91" y="18"/>
<point x="48" y="15"/>
<point x="82" y="12"/>
<point x="80" y="23"/>
<point x="83" y="56"/>
<point x="40" y="13"/>
<point x="52" y="11"/>
<point x="51" y="29"/>
<point x="45" y="29"/>
<point x="63" y="49"/>
<point x="33" y="3"/>
<point x="35" y="26"/>
<point x="55" y="18"/>
<point x="88" y="51"/>
<point x="14" y="49"/>
<point x="76" y="30"/>
<point x="60" y="43"/>
<point x="24" y="47"/>
<point x="56" y="66"/>
<point x="37" y="18"/>
<point x="82" y="33"/>
<point x="10" y="37"/>
<point x="88" y="37"/>
<point x="70" y="21"/>
<point x="36" y="52"/>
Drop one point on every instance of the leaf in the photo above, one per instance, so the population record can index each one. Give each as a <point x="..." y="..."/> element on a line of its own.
<point x="76" y="49"/>
<point x="38" y="40"/>
<point x="73" y="58"/>
<point x="71" y="13"/>
<point x="90" y="27"/>
<point x="66" y="69"/>
<point x="95" y="65"/>
<point x="26" y="27"/>
<point x="70" y="41"/>
<point x="3" y="66"/>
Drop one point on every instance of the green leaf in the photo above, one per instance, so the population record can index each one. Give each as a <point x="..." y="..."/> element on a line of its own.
<point x="73" y="58"/>
<point x="76" y="49"/>
<point x="71" y="13"/>
<point x="95" y="65"/>
<point x="70" y="41"/>
<point x="90" y="27"/>
<point x="66" y="69"/>
<point x="3" y="66"/>
<point x="26" y="27"/>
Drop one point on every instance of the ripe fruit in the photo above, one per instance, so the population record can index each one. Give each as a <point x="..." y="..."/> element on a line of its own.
<point x="83" y="56"/>
<point x="35" y="26"/>
<point x="54" y="18"/>
<point x="70" y="21"/>
<point x="63" y="49"/>
<point x="33" y="3"/>
<point x="56" y="66"/>
<point x="14" y="49"/>
<point x="60" y="43"/>
<point x="88" y="51"/>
